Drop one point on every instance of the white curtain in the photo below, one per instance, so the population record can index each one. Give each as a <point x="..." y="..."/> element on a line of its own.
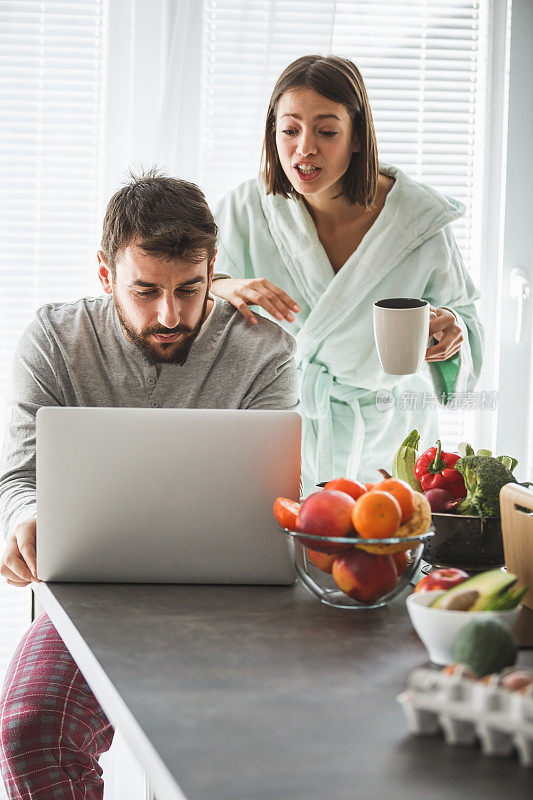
<point x="176" y="132"/>
<point x="153" y="84"/>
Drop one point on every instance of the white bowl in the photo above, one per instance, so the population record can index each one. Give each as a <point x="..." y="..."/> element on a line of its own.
<point x="438" y="627"/>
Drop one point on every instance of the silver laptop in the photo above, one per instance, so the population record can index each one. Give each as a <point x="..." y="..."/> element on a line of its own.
<point x="164" y="495"/>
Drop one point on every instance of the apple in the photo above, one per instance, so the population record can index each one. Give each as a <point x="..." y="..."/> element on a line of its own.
<point x="326" y="513"/>
<point x="364" y="576"/>
<point x="401" y="560"/>
<point x="445" y="578"/>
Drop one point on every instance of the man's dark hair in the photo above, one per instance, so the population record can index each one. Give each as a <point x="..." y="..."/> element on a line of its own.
<point x="167" y="217"/>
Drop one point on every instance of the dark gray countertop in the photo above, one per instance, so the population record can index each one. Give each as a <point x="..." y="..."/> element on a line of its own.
<point x="263" y="693"/>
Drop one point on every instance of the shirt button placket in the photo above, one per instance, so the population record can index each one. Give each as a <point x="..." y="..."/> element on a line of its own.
<point x="151" y="385"/>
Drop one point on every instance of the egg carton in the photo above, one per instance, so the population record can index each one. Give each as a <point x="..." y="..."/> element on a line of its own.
<point x="468" y="712"/>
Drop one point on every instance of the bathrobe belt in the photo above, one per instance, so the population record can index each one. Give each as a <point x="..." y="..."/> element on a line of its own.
<point x="317" y="389"/>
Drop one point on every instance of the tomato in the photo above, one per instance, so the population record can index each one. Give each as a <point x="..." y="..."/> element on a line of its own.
<point x="286" y="511"/>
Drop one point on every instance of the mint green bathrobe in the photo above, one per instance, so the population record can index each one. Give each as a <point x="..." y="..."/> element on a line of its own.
<point x="354" y="415"/>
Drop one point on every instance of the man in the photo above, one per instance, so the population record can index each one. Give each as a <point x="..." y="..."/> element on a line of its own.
<point x="156" y="338"/>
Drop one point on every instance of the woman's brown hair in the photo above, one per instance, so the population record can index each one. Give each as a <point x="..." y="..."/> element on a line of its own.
<point x="339" y="80"/>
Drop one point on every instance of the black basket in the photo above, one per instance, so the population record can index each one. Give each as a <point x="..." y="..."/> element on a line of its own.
<point x="467" y="542"/>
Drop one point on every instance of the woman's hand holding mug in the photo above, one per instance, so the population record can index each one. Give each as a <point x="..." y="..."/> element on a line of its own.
<point x="443" y="326"/>
<point x="402" y="328"/>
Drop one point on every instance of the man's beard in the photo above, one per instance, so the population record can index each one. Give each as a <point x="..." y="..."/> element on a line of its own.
<point x="177" y="352"/>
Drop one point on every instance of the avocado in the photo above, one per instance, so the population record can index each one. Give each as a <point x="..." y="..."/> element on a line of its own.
<point x="485" y="646"/>
<point x="476" y="593"/>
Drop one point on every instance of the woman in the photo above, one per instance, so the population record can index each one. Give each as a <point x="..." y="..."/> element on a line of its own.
<point x="323" y="233"/>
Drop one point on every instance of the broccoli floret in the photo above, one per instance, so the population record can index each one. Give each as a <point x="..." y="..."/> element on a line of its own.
<point x="508" y="461"/>
<point x="484" y="477"/>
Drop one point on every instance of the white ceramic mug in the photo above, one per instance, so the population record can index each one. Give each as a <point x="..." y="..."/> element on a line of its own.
<point x="401" y="331"/>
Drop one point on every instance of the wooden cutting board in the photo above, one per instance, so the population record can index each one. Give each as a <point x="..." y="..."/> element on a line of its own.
<point x="517" y="529"/>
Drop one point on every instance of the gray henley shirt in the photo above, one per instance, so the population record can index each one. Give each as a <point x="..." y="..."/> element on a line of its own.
<point x="76" y="354"/>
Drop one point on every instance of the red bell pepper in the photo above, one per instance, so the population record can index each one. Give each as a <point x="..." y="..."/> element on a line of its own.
<point x="436" y="470"/>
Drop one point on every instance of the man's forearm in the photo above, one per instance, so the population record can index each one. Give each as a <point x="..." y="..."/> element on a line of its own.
<point x="34" y="384"/>
<point x="17" y="502"/>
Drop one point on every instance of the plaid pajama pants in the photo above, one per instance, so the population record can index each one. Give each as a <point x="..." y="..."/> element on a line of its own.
<point x="52" y="730"/>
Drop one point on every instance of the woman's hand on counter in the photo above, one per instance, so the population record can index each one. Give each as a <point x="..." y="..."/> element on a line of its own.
<point x="256" y="292"/>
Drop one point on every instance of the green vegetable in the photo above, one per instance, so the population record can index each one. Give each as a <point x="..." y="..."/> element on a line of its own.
<point x="403" y="466"/>
<point x="506" y="600"/>
<point x="485" y="646"/>
<point x="483" y="452"/>
<point x="508" y="462"/>
<point x="484" y="477"/>
<point x="478" y="592"/>
<point x="465" y="449"/>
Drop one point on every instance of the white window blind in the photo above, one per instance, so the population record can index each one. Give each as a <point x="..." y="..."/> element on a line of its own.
<point x="424" y="63"/>
<point x="50" y="84"/>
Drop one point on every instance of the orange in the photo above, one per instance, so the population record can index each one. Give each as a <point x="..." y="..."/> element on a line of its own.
<point x="321" y="560"/>
<point x="353" y="488"/>
<point x="402" y="492"/>
<point x="376" y="515"/>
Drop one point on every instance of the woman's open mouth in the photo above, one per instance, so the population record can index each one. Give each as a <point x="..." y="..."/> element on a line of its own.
<point x="307" y="172"/>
